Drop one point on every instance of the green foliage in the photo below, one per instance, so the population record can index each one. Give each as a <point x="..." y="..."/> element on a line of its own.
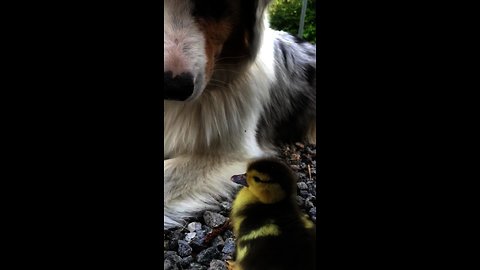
<point x="285" y="16"/>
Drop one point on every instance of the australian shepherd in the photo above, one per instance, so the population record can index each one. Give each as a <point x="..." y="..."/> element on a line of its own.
<point x="234" y="90"/>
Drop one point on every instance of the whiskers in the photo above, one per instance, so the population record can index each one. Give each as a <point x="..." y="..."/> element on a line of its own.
<point x="218" y="84"/>
<point x="223" y="78"/>
<point x="230" y="58"/>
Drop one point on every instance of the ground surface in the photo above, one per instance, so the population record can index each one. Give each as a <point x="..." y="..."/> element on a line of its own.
<point x="205" y="243"/>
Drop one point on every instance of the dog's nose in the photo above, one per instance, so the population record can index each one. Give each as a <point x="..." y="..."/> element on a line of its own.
<point x="179" y="87"/>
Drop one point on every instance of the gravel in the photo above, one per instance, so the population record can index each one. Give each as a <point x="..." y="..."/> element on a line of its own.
<point x="194" y="248"/>
<point x="213" y="220"/>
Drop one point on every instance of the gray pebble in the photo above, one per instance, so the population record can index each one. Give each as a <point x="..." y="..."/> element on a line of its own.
<point x="186" y="261"/>
<point x="313" y="212"/>
<point x="199" y="239"/>
<point x="226" y="257"/>
<point x="194" y="226"/>
<point x="213" y="219"/>
<point x="190" y="236"/>
<point x="218" y="242"/>
<point x="310" y="201"/>
<point x="174" y="236"/>
<point x="166" y="244"/>
<point x="172" y="255"/>
<point x="301" y="175"/>
<point x="207" y="255"/>
<point x="184" y="249"/>
<point x="229" y="246"/>
<point x="197" y="266"/>
<point x="203" y="233"/>
<point x="227" y="234"/>
<point x="227" y="206"/>
<point x="169" y="265"/>
<point x="217" y="265"/>
<point x="302" y="185"/>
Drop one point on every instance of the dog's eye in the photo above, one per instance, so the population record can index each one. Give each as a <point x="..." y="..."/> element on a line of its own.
<point x="214" y="9"/>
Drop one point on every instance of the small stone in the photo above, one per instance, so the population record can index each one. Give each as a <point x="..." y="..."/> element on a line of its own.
<point x="304" y="193"/>
<point x="190" y="236"/>
<point x="186" y="261"/>
<point x="228" y="234"/>
<point x="169" y="265"/>
<point x="198" y="244"/>
<point x="301" y="175"/>
<point x="217" y="265"/>
<point x="207" y="255"/>
<point x="218" y="242"/>
<point x="310" y="201"/>
<point x="184" y="249"/>
<point x="199" y="239"/>
<point x="197" y="266"/>
<point x="194" y="226"/>
<point x="227" y="206"/>
<point x="213" y="219"/>
<point x="174" y="236"/>
<point x="202" y="233"/>
<point x="226" y="257"/>
<point x="172" y="255"/>
<point x="302" y="185"/>
<point x="313" y="212"/>
<point x="229" y="246"/>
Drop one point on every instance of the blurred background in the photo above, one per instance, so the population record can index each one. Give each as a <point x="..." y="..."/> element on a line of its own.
<point x="286" y="15"/>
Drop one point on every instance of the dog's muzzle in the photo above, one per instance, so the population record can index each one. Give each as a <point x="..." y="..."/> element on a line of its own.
<point x="179" y="87"/>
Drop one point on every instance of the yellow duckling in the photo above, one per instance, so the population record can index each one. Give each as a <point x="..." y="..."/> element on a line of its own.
<point x="271" y="231"/>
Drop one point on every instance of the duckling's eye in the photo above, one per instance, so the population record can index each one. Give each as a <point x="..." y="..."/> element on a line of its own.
<point x="256" y="179"/>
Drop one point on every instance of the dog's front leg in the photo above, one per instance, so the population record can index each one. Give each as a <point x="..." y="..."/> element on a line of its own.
<point x="196" y="183"/>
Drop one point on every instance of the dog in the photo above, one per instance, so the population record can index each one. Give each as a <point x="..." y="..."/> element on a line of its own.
<point x="234" y="90"/>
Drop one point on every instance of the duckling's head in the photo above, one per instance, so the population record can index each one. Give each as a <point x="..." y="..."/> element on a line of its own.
<point x="269" y="180"/>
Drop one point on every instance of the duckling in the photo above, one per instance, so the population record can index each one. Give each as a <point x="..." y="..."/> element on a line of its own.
<point x="271" y="231"/>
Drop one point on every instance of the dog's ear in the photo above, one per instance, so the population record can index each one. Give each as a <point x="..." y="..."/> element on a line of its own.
<point x="253" y="15"/>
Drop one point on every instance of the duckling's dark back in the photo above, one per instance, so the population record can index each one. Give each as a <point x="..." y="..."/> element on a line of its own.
<point x="293" y="248"/>
<point x="291" y="243"/>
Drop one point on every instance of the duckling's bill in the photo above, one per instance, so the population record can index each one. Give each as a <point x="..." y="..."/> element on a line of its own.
<point x="240" y="179"/>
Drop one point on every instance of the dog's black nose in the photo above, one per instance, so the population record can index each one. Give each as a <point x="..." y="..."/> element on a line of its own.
<point x="179" y="87"/>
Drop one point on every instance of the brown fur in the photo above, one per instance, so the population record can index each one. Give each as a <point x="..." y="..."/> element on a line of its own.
<point x="216" y="33"/>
